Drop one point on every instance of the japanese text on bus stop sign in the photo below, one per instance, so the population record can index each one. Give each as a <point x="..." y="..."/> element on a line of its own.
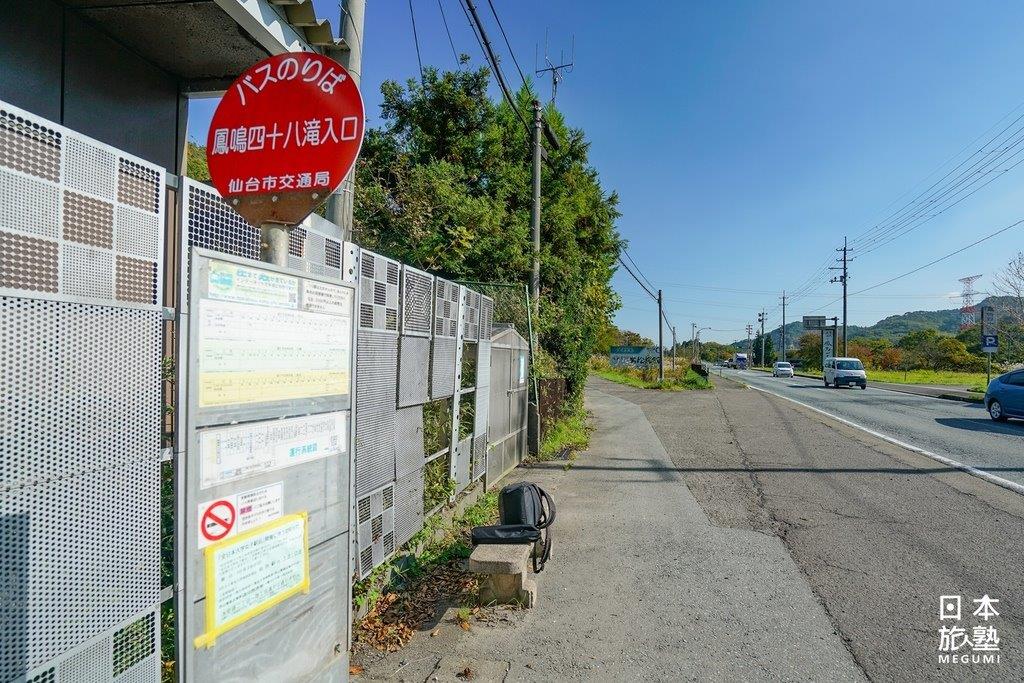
<point x="284" y="136"/>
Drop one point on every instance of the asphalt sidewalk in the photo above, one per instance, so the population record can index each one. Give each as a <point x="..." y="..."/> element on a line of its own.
<point x="642" y="585"/>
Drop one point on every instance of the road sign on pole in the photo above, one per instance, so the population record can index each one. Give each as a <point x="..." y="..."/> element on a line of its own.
<point x="988" y="320"/>
<point x="284" y="136"/>
<point x="814" y="322"/>
<point x="989" y="343"/>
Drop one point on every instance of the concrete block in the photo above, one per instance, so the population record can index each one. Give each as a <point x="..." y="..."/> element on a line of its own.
<point x="505" y="573"/>
<point x="509" y="558"/>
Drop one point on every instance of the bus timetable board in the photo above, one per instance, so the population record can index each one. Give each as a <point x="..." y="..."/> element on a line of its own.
<point x="268" y="344"/>
<point x="265" y="549"/>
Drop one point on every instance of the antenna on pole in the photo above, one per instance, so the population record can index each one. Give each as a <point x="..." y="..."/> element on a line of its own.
<point x="968" y="314"/>
<point x="555" y="70"/>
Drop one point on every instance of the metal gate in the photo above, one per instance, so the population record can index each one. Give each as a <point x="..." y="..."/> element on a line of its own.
<point x="507" y="432"/>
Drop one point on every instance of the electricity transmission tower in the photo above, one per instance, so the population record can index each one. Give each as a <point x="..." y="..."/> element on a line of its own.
<point x="968" y="314"/>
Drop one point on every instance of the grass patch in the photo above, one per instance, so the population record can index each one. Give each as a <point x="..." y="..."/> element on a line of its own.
<point x="568" y="434"/>
<point x="680" y="380"/>
<point x="974" y="380"/>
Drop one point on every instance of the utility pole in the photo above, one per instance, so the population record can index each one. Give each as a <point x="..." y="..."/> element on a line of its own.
<point x="673" y="348"/>
<point x="750" y="345"/>
<point x="843" y="278"/>
<point x="340" y="203"/>
<point x="661" y="344"/>
<point x="538" y="126"/>
<point x="783" y="325"/>
<point x="760" y="319"/>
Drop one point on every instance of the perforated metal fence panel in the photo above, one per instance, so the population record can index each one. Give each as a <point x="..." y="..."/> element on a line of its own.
<point x="376" y="405"/>
<point x="378" y="292"/>
<point x="414" y="371"/>
<point x="409" y="441"/>
<point x="375" y="518"/>
<point x="417" y="301"/>
<point x="506" y="408"/>
<point x="312" y="249"/>
<point x="81" y="247"/>
<point x="209" y="222"/>
<point x="471" y="315"/>
<point x="408" y="506"/>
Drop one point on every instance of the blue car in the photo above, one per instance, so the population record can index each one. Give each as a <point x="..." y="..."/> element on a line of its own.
<point x="1005" y="396"/>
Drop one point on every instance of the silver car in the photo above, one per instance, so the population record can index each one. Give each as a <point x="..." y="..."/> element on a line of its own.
<point x="782" y="369"/>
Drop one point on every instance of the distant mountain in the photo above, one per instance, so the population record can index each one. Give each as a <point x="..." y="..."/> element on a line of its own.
<point x="894" y="327"/>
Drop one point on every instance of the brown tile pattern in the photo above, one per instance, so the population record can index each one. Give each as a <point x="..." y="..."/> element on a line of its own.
<point x="88" y="220"/>
<point x="135" y="280"/>
<point x="29" y="147"/>
<point x="138" y="186"/>
<point x="28" y="263"/>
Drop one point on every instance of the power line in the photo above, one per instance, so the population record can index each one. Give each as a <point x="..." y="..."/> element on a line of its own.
<point x="646" y="279"/>
<point x="511" y="52"/>
<point x="922" y="208"/>
<point x="493" y="60"/>
<point x="930" y="263"/>
<point x="947" y="161"/>
<point x="444" y="19"/>
<point x="642" y="285"/>
<point x="472" y="28"/>
<point x="416" y="40"/>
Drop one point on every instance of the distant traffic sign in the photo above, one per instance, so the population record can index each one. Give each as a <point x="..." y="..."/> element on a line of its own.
<point x="989" y="343"/>
<point x="814" y="322"/>
<point x="988" y="321"/>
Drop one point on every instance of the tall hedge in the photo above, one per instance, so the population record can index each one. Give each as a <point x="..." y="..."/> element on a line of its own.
<point x="444" y="184"/>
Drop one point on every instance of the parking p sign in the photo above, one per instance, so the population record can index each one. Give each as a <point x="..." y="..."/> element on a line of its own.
<point x="989" y="343"/>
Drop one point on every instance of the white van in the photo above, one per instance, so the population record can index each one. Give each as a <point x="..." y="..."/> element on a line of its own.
<point x="839" y="371"/>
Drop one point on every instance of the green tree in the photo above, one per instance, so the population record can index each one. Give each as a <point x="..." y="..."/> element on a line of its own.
<point x="769" y="351"/>
<point x="444" y="185"/>
<point x="196" y="167"/>
<point x="808" y="350"/>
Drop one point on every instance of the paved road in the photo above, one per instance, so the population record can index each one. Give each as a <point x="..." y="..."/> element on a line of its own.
<point x="956" y="430"/>
<point x="879" y="532"/>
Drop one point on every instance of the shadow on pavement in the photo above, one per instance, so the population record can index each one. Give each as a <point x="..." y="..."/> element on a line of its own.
<point x="982" y="424"/>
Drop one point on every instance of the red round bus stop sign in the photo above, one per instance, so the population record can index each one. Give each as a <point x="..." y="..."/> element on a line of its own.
<point x="284" y="136"/>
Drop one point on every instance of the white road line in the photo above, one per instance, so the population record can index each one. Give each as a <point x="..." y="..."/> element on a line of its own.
<point x="987" y="476"/>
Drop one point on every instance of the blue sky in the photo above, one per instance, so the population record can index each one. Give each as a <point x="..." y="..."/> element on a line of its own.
<point x="746" y="138"/>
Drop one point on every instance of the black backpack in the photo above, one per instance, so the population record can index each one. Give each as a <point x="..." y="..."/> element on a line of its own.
<point x="526" y="513"/>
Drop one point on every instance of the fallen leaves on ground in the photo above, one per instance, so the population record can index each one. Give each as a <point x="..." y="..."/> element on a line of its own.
<point x="466" y="674"/>
<point x="396" y="616"/>
<point x="355" y="670"/>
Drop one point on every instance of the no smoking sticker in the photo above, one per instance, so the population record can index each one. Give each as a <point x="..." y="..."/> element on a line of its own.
<point x="217" y="520"/>
<point x="226" y="516"/>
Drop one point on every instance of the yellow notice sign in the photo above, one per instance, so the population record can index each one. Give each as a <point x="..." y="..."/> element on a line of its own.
<point x="249" y="573"/>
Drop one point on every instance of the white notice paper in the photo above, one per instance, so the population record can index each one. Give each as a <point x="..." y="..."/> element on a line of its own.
<point x="256" y="570"/>
<point x="240" y="451"/>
